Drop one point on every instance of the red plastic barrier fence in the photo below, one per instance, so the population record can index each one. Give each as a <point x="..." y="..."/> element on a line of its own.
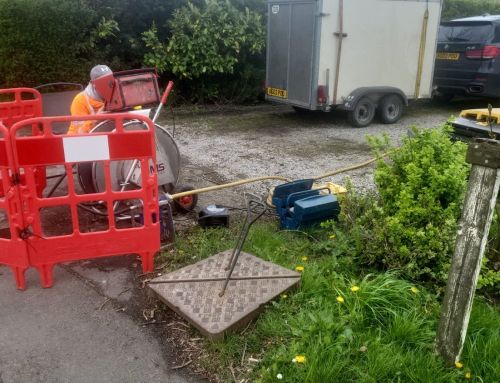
<point x="30" y="152"/>
<point x="18" y="104"/>
<point x="13" y="249"/>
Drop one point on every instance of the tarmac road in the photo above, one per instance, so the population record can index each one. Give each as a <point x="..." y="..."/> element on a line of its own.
<point x="81" y="330"/>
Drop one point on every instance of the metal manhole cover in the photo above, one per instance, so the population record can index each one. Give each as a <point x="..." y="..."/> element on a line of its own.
<point x="199" y="301"/>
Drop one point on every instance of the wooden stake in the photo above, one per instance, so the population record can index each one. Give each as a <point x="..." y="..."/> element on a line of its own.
<point x="479" y="204"/>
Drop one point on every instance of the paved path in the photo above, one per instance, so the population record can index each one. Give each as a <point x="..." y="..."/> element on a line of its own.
<point x="66" y="334"/>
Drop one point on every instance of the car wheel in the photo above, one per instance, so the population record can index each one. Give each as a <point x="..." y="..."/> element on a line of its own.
<point x="362" y="114"/>
<point x="390" y="109"/>
<point x="187" y="203"/>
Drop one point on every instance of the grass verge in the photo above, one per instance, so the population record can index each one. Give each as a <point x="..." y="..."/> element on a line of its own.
<point x="344" y="324"/>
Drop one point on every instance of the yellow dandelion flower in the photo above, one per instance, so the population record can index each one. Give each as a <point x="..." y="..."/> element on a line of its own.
<point x="340" y="299"/>
<point x="332" y="236"/>
<point x="304" y="259"/>
<point x="458" y="365"/>
<point x="354" y="288"/>
<point x="284" y="296"/>
<point x="468" y="375"/>
<point x="414" y="290"/>
<point x="301" y="359"/>
<point x="299" y="269"/>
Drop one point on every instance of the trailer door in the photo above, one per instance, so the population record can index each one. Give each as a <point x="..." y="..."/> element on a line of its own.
<point x="290" y="51"/>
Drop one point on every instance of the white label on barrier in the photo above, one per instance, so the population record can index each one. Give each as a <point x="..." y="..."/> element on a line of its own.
<point x="90" y="148"/>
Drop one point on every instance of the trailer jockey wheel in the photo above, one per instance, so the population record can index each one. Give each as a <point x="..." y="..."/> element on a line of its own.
<point x="390" y="109"/>
<point x="363" y="113"/>
<point x="187" y="203"/>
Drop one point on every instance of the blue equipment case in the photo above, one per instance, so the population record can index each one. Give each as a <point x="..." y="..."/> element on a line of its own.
<point x="298" y="205"/>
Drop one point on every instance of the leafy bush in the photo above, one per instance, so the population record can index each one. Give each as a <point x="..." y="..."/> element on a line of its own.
<point x="412" y="224"/>
<point x="126" y="49"/>
<point x="216" y="49"/>
<point x="462" y="8"/>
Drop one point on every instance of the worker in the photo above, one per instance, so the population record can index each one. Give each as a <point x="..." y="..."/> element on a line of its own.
<point x="92" y="99"/>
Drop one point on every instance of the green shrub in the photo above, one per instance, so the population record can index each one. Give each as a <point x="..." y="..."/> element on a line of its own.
<point x="126" y="49"/>
<point x="412" y="223"/>
<point x="215" y="49"/>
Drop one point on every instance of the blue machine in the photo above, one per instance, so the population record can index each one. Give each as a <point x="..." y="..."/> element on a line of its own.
<point x="298" y="205"/>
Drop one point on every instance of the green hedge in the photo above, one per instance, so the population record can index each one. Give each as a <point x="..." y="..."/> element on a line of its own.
<point x="463" y="8"/>
<point x="44" y="40"/>
<point x="60" y="40"/>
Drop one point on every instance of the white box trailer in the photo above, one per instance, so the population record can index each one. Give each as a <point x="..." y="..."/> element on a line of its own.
<point x="364" y="56"/>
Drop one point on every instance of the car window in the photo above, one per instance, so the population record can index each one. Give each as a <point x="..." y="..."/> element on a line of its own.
<point x="467" y="33"/>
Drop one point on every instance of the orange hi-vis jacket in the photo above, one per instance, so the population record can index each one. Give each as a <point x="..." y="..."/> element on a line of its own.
<point x="83" y="105"/>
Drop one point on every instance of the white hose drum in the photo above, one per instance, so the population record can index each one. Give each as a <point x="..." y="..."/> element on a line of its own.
<point x="91" y="175"/>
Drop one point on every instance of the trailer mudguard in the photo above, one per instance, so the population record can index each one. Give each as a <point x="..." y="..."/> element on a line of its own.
<point x="375" y="93"/>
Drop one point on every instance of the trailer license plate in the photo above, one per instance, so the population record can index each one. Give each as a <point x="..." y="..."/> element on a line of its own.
<point x="447" y="56"/>
<point x="277" y="92"/>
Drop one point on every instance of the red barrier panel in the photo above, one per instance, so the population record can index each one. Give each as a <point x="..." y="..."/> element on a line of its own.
<point x="18" y="104"/>
<point x="47" y="249"/>
<point x="13" y="249"/>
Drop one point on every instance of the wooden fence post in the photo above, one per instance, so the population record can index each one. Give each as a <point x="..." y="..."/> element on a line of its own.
<point x="479" y="204"/>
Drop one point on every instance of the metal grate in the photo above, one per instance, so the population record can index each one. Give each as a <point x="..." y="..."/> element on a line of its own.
<point x="193" y="291"/>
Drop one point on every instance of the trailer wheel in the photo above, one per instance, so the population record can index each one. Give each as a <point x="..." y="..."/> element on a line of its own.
<point x="187" y="203"/>
<point x="390" y="109"/>
<point x="363" y="113"/>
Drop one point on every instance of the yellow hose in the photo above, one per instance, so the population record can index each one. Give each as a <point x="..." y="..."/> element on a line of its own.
<point x="353" y="167"/>
<point x="279" y="178"/>
<point x="229" y="185"/>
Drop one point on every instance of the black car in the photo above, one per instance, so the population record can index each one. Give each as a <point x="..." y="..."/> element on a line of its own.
<point x="468" y="57"/>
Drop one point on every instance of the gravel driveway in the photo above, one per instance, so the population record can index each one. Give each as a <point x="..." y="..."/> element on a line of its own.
<point x="274" y="140"/>
<point x="223" y="144"/>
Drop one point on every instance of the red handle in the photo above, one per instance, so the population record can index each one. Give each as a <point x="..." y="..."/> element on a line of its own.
<point x="170" y="85"/>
